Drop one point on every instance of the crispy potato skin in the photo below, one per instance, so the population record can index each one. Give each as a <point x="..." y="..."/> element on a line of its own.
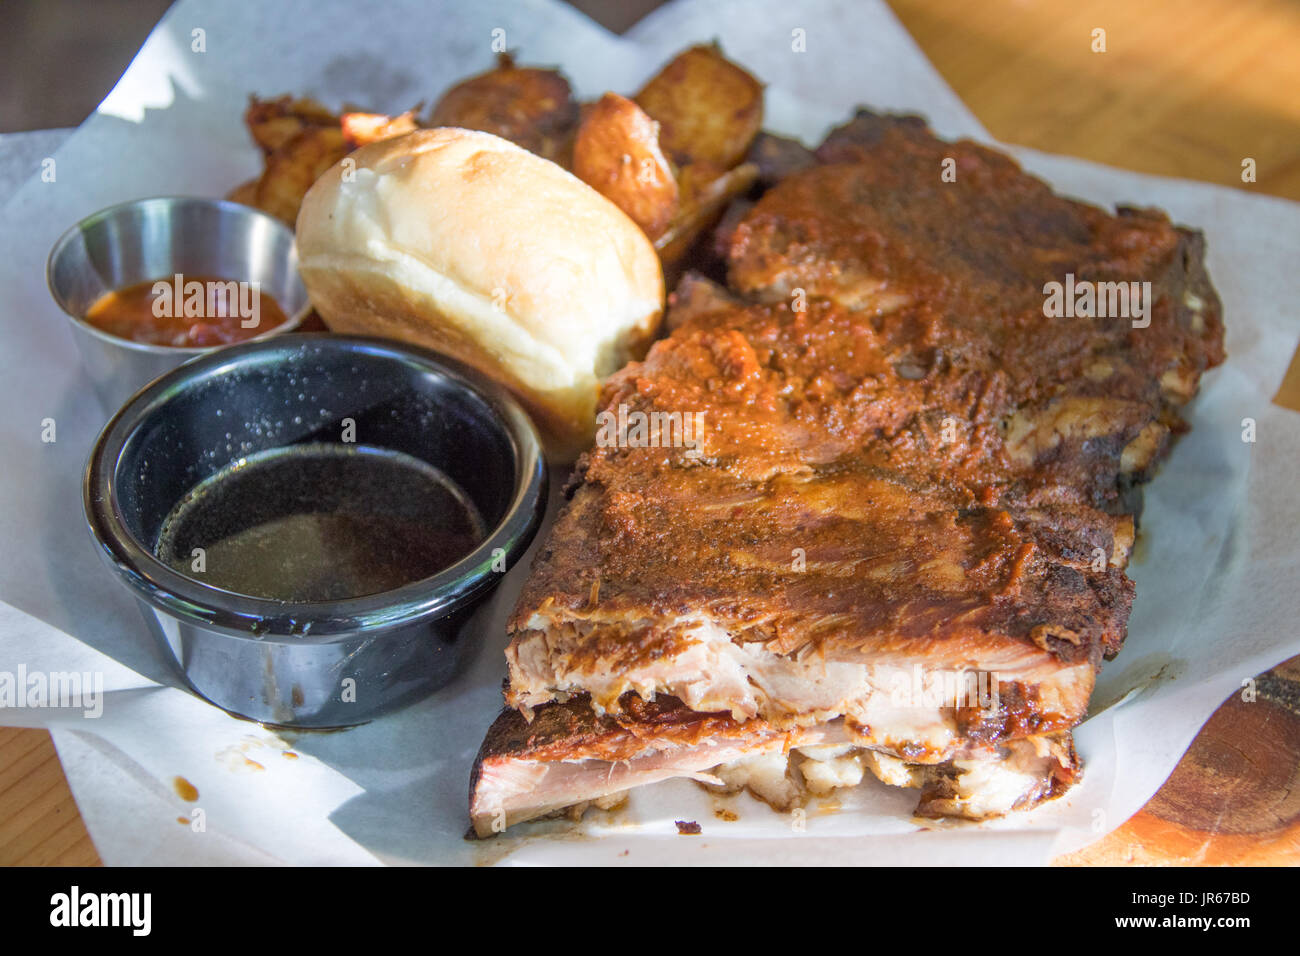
<point x="300" y="139"/>
<point x="532" y="108"/>
<point x="617" y="153"/>
<point x="708" y="108"/>
<point x="292" y="168"/>
<point x="273" y="123"/>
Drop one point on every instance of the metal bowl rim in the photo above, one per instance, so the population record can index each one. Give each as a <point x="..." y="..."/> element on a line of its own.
<point x="288" y="325"/>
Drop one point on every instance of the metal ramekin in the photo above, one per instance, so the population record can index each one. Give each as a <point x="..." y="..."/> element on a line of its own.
<point x="149" y="239"/>
<point x="289" y="664"/>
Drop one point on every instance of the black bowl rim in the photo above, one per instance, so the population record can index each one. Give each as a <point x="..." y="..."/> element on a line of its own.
<point x="264" y="619"/>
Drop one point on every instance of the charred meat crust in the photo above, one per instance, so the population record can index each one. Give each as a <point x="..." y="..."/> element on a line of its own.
<point x="907" y="456"/>
<point x="991" y="440"/>
<point x="572" y="728"/>
<point x="568" y="757"/>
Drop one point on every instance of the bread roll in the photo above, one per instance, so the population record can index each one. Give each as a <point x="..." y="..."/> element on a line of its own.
<point x="465" y="243"/>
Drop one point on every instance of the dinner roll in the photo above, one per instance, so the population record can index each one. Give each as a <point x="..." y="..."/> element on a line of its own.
<point x="465" y="243"/>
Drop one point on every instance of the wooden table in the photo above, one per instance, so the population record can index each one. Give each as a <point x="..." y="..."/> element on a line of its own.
<point x="1185" y="88"/>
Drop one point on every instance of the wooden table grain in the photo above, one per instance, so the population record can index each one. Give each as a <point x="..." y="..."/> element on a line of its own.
<point x="1184" y="88"/>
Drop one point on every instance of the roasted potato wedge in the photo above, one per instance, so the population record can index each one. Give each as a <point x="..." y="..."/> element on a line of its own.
<point x="291" y="170"/>
<point x="362" y="128"/>
<point x="617" y="153"/>
<point x="708" y="109"/>
<point x="272" y="123"/>
<point x="532" y="108"/>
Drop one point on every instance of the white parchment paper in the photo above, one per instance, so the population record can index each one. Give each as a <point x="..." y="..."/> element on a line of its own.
<point x="1216" y="573"/>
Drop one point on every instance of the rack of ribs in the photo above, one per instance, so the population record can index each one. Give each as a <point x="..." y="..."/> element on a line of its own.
<point x="897" y="543"/>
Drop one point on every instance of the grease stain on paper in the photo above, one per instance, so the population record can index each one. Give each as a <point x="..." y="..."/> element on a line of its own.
<point x="236" y="759"/>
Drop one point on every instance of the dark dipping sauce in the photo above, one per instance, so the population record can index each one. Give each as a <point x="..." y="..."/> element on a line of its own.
<point x="320" y="522"/>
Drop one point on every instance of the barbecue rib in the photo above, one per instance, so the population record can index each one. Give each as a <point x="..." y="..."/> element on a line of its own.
<point x="906" y="465"/>
<point x="569" y="759"/>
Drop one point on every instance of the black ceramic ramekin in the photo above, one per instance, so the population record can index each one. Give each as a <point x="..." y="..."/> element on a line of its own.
<point x="328" y="664"/>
